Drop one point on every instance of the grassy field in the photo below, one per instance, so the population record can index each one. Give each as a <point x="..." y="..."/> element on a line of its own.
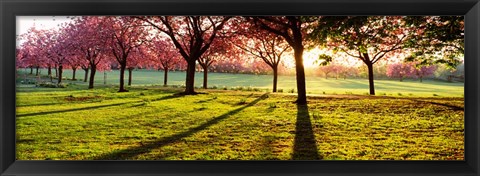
<point x="315" y="85"/>
<point x="156" y="123"/>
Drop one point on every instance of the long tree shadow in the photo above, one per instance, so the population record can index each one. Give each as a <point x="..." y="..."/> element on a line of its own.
<point x="147" y="147"/>
<point x="167" y="97"/>
<point x="95" y="107"/>
<point x="40" y="104"/>
<point x="452" y="107"/>
<point x="304" y="147"/>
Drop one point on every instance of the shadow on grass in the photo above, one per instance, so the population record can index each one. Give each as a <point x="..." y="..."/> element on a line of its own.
<point x="147" y="147"/>
<point x="304" y="147"/>
<point x="206" y="100"/>
<point x="39" y="104"/>
<point x="19" y="141"/>
<point x="452" y="107"/>
<point x="267" y="150"/>
<point x="168" y="97"/>
<point x="95" y="107"/>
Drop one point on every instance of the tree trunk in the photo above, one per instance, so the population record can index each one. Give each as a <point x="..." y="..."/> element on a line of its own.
<point x="300" y="73"/>
<point x="205" y="76"/>
<point x="165" y="76"/>
<point x="56" y="71"/>
<point x="50" y="73"/>
<point x="370" y="79"/>
<point x="31" y="70"/>
<point x="130" y="76"/>
<point x="60" y="71"/>
<point x="421" y="78"/>
<point x="92" y="75"/>
<point x="275" y="76"/>
<point x="122" y="76"/>
<point x="190" y="78"/>
<point x="36" y="72"/>
<point x="73" y="76"/>
<point x="86" y="75"/>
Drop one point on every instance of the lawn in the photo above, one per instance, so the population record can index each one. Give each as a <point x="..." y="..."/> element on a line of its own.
<point x="156" y="123"/>
<point x="315" y="84"/>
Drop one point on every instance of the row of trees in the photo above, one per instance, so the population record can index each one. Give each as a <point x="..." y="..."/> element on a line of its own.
<point x="409" y="70"/>
<point x="181" y="42"/>
<point x="400" y="70"/>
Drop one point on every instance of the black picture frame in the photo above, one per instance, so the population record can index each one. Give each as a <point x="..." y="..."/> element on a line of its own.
<point x="10" y="8"/>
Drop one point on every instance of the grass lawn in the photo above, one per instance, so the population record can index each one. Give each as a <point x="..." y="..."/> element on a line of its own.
<point x="315" y="84"/>
<point x="155" y="123"/>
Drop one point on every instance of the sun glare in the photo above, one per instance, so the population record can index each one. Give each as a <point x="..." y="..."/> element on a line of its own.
<point x="309" y="58"/>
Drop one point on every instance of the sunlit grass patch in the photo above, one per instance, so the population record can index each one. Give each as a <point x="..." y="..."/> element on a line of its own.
<point x="156" y="123"/>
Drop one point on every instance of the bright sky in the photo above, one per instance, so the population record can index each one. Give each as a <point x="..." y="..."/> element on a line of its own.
<point x="310" y="56"/>
<point x="23" y="23"/>
<point x="41" y="22"/>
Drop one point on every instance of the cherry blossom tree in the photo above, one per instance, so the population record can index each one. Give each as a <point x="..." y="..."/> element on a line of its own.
<point x="258" y="67"/>
<point x="137" y="60"/>
<point x="293" y="30"/>
<point x="49" y="45"/>
<point x="126" y="34"/>
<point x="191" y="35"/>
<point x="60" y="50"/>
<point x="21" y="55"/>
<point x="89" y="37"/>
<point x="347" y="71"/>
<point x="400" y="70"/>
<point x="162" y="53"/>
<point x="269" y="47"/>
<point x="368" y="38"/>
<point x="220" y="49"/>
<point x="330" y="68"/>
<point x="230" y="66"/>
<point x="422" y="71"/>
<point x="75" y="62"/>
<point x="35" y="47"/>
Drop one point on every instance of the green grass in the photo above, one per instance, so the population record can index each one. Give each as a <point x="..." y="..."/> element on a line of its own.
<point x="155" y="123"/>
<point x="315" y="85"/>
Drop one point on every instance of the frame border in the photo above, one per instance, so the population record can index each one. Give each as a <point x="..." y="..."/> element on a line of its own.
<point x="10" y="8"/>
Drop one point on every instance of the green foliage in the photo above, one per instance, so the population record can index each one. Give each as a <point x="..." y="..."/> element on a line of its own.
<point x="441" y="42"/>
<point x="323" y="60"/>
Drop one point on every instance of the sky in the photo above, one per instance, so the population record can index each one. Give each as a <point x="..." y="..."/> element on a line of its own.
<point x="23" y="23"/>
<point x="41" y="22"/>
